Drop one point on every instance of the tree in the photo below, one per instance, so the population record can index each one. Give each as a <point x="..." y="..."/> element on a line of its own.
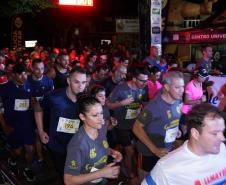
<point x="15" y="7"/>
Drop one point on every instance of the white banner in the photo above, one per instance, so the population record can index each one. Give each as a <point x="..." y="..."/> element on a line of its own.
<point x="215" y="92"/>
<point x="156" y="22"/>
<point x="127" y="25"/>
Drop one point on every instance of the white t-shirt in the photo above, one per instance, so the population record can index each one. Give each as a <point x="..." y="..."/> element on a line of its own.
<point x="182" y="167"/>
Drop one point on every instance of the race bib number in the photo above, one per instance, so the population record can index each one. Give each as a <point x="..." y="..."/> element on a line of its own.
<point x="21" y="104"/>
<point x="132" y="113"/>
<point x="93" y="169"/>
<point x="69" y="126"/>
<point x="171" y="135"/>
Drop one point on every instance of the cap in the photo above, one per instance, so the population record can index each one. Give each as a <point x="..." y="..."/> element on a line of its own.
<point x="203" y="73"/>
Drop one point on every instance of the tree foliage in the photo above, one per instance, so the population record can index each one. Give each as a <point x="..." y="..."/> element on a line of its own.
<point x="14" y="7"/>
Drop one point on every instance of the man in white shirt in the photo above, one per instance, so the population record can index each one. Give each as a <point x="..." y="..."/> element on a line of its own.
<point x="201" y="160"/>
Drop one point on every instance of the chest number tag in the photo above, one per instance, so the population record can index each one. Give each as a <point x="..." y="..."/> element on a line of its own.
<point x="68" y="125"/>
<point x="21" y="104"/>
<point x="132" y="114"/>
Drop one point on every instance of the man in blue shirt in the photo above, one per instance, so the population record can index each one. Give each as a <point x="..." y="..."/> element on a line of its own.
<point x="18" y="120"/>
<point x="157" y="125"/>
<point x="151" y="60"/>
<point x="206" y="60"/>
<point x="37" y="85"/>
<point x="64" y="119"/>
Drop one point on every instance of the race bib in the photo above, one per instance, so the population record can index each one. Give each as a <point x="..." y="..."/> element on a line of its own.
<point x="21" y="104"/>
<point x="171" y="135"/>
<point x="132" y="113"/>
<point x="93" y="169"/>
<point x="69" y="126"/>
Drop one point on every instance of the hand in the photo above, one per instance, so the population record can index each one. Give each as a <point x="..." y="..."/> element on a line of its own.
<point x="7" y="130"/>
<point x="179" y="134"/>
<point x="127" y="101"/>
<point x="44" y="137"/>
<point x="114" y="121"/>
<point x="111" y="171"/>
<point x="160" y="152"/>
<point x="116" y="155"/>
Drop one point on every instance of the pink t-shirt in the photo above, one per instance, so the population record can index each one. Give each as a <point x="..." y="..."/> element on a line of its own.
<point x="195" y="93"/>
<point x="153" y="88"/>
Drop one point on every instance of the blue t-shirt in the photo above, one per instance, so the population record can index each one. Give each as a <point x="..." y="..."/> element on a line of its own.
<point x="161" y="121"/>
<point x="151" y="61"/>
<point x="126" y="115"/>
<point x="38" y="88"/>
<point x="84" y="153"/>
<point x="204" y="64"/>
<point x="162" y="68"/>
<point x="60" y="79"/>
<point x="64" y="120"/>
<point x="17" y="106"/>
<point x="109" y="85"/>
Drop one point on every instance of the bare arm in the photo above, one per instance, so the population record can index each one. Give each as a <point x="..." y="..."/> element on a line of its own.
<point x="6" y="129"/>
<point x="138" y="130"/>
<point x="39" y="122"/>
<point x="2" y="121"/>
<point x="109" y="171"/>
<point x="113" y="105"/>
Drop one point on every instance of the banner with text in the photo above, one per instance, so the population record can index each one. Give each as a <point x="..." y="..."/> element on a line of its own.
<point x="216" y="92"/>
<point x="199" y="37"/>
<point x="17" y="33"/>
<point x="127" y="25"/>
<point x="156" y="21"/>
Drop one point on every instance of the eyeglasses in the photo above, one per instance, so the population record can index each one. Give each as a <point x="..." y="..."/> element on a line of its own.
<point x="143" y="81"/>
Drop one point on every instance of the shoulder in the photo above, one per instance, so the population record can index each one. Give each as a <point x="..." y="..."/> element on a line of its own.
<point x="7" y="86"/>
<point x="156" y="101"/>
<point x="118" y="89"/>
<point x="55" y="94"/>
<point x="58" y="92"/>
<point x="190" y="83"/>
<point x="122" y="85"/>
<point x="78" y="140"/>
<point x="172" y="162"/>
<point x="46" y="78"/>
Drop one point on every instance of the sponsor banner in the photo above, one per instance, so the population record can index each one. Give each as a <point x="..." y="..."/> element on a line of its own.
<point x="17" y="33"/>
<point x="156" y="22"/>
<point x="127" y="25"/>
<point x="216" y="92"/>
<point x="199" y="36"/>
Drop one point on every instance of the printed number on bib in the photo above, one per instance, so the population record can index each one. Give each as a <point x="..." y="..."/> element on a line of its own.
<point x="21" y="104"/>
<point x="132" y="113"/>
<point x="171" y="135"/>
<point x="68" y="125"/>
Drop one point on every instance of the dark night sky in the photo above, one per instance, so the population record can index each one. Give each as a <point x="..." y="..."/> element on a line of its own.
<point x="109" y="8"/>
